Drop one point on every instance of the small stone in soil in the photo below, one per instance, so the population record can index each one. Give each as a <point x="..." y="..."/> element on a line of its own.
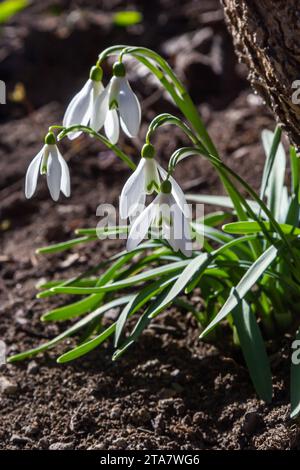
<point x="62" y="446"/>
<point x="32" y="367"/>
<point x="43" y="443"/>
<point x="120" y="443"/>
<point x="159" y="423"/>
<point x="7" y="387"/>
<point x="102" y="446"/>
<point x="16" y="439"/>
<point x="115" y="412"/>
<point x="252" y="421"/>
<point x="32" y="430"/>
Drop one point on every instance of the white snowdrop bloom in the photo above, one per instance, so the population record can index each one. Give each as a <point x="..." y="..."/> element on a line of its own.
<point x="117" y="105"/>
<point x="80" y="109"/>
<point x="49" y="161"/>
<point x="145" y="180"/>
<point x="164" y="212"/>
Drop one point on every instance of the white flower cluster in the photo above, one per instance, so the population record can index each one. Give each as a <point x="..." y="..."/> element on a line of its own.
<point x="112" y="107"/>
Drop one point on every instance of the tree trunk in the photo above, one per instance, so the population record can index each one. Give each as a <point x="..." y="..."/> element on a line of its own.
<point x="266" y="36"/>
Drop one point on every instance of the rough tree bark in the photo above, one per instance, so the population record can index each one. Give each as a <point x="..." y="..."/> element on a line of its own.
<point x="266" y="36"/>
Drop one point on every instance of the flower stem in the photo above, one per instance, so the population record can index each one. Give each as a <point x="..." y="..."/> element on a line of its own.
<point x="101" y="138"/>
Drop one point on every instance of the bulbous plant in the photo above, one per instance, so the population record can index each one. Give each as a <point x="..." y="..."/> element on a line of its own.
<point x="248" y="272"/>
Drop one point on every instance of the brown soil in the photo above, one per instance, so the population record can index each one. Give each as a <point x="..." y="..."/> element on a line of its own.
<point x="169" y="391"/>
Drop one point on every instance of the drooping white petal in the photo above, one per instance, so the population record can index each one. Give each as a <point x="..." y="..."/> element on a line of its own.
<point x="177" y="192"/>
<point x="54" y="172"/>
<point x="133" y="191"/>
<point x="180" y="233"/>
<point x="129" y="109"/>
<point x="138" y="208"/>
<point x="112" y="126"/>
<point x="65" y="183"/>
<point x="113" y="92"/>
<point x="33" y="173"/>
<point x="165" y="205"/>
<point x="151" y="175"/>
<point x="141" y="225"/>
<point x="79" y="109"/>
<point x="99" y="110"/>
<point x="97" y="89"/>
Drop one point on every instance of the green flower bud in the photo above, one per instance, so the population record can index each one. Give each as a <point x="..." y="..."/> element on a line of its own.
<point x="148" y="151"/>
<point x="166" y="187"/>
<point x="96" y="73"/>
<point x="119" y="69"/>
<point x="50" y="139"/>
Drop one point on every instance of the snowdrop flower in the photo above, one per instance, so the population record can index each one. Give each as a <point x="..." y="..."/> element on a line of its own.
<point x="116" y="105"/>
<point x="163" y="212"/>
<point x="49" y="161"/>
<point x="144" y="180"/>
<point x="80" y="108"/>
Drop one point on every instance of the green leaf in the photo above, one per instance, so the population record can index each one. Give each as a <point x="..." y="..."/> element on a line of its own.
<point x="274" y="170"/>
<point x="9" y="8"/>
<point x="211" y="233"/>
<point x="49" y="285"/>
<point x="102" y="231"/>
<point x="270" y="142"/>
<point x="294" y="208"/>
<point x="83" y="282"/>
<point x="127" y="18"/>
<point x="58" y="247"/>
<point x="295" y="377"/>
<point x="245" y="284"/>
<point x="70" y="331"/>
<point x="182" y="281"/>
<point x="223" y="250"/>
<point x="214" y="218"/>
<point x="138" y="301"/>
<point x="87" y="346"/>
<point x="72" y="310"/>
<point x="141" y="324"/>
<point x="253" y="349"/>
<point x="295" y="169"/>
<point x="254" y="227"/>
<point x="131" y="281"/>
<point x="221" y="201"/>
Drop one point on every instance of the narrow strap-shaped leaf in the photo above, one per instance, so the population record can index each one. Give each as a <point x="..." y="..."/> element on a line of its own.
<point x="221" y="201"/>
<point x="102" y="231"/>
<point x="93" y="343"/>
<point x="131" y="281"/>
<point x="89" y="303"/>
<point x="70" y="331"/>
<point x="211" y="233"/>
<point x="87" y="346"/>
<point x="245" y="284"/>
<point x="275" y="187"/>
<point x="182" y="281"/>
<point x="142" y="323"/>
<point x="75" y="309"/>
<point x="295" y="377"/>
<point x="58" y="247"/>
<point x="195" y="268"/>
<point x="254" y="351"/>
<point x="138" y="301"/>
<point x="270" y="143"/>
<point x="254" y="227"/>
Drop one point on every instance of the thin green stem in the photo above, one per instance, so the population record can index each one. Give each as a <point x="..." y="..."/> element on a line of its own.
<point x="101" y="138"/>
